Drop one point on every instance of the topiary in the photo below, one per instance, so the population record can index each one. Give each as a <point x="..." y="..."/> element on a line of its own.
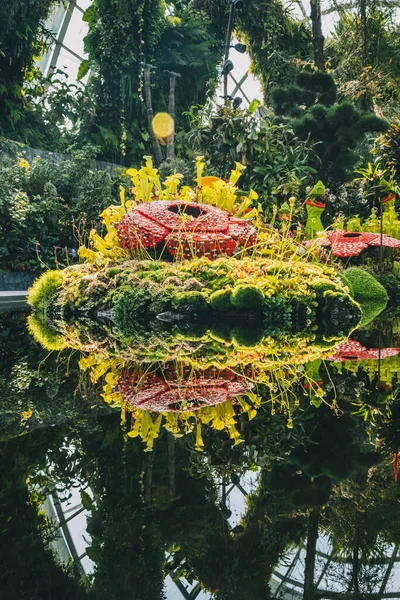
<point x="335" y="129"/>
<point x="247" y="297"/>
<point x="193" y="302"/>
<point x="44" y="288"/>
<point x="247" y="335"/>
<point x="367" y="291"/>
<point x="43" y="332"/>
<point x="221" y="300"/>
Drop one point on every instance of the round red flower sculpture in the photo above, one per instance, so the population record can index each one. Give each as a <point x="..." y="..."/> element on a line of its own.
<point x="180" y="390"/>
<point x="345" y="244"/>
<point x="187" y="229"/>
<point x="353" y="350"/>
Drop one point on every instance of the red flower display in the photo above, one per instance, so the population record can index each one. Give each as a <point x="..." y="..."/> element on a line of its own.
<point x="180" y="389"/>
<point x="345" y="244"/>
<point x="353" y="350"/>
<point x="186" y="229"/>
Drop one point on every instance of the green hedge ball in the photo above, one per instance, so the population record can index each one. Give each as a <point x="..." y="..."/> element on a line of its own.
<point x="367" y="291"/>
<point x="247" y="297"/>
<point x="221" y="300"/>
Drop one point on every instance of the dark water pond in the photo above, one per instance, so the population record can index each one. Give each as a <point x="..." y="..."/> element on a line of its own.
<point x="300" y="501"/>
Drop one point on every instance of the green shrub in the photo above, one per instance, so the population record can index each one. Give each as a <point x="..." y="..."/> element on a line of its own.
<point x="247" y="335"/>
<point x="277" y="315"/>
<point x="42" y="331"/>
<point x="248" y="297"/>
<point x="46" y="206"/>
<point x="221" y="331"/>
<point x="130" y="310"/>
<point x="367" y="291"/>
<point x="221" y="300"/>
<point x="44" y="288"/>
<point x="190" y="302"/>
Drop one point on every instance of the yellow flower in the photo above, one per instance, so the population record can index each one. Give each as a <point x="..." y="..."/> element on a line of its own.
<point x="87" y="362"/>
<point x="235" y="435"/>
<point x="26" y="414"/>
<point x="236" y="173"/>
<point x="23" y="164"/>
<point x="199" y="439"/>
<point x="200" y="168"/>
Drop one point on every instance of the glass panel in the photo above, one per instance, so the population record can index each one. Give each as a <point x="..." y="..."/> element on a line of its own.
<point x="77" y="29"/>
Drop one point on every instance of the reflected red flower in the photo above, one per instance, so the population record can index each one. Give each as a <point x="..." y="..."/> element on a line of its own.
<point x="353" y="350"/>
<point x="177" y="389"/>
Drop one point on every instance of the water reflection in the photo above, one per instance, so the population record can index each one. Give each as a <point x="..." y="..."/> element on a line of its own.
<point x="286" y="512"/>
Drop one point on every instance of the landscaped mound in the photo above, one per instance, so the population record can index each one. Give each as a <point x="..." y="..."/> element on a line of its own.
<point x="225" y="311"/>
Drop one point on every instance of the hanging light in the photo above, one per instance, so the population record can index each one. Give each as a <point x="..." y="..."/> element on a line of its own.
<point x="228" y="67"/>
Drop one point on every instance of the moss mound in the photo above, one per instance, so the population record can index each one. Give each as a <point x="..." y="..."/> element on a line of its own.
<point x="42" y="331"/>
<point x="221" y="300"/>
<point x="248" y="297"/>
<point x="44" y="288"/>
<point x="367" y="291"/>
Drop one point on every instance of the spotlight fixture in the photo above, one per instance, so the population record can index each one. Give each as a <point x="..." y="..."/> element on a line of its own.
<point x="228" y="67"/>
<point x="237" y="102"/>
<point x="241" y="48"/>
<point x="238" y="3"/>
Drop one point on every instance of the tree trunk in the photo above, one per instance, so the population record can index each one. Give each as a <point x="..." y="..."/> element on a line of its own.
<point x="158" y="157"/>
<point x="354" y="587"/>
<point x="363" y="21"/>
<point x="317" y="37"/>
<point x="171" y="110"/>
<point x="171" y="466"/>
<point x="311" y="550"/>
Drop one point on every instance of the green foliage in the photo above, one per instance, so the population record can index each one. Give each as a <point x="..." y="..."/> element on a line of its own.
<point x="248" y="335"/>
<point x="130" y="309"/>
<point x="367" y="291"/>
<point x="22" y="38"/>
<point x="388" y="148"/>
<point x="44" y="289"/>
<point x="188" y="47"/>
<point x="191" y="302"/>
<point x="120" y="36"/>
<point x="43" y="333"/>
<point x="46" y="208"/>
<point x="335" y="129"/>
<point x="277" y="163"/>
<point x="373" y="81"/>
<point x="277" y="316"/>
<point x="272" y="41"/>
<point x="176" y="165"/>
<point x="247" y="297"/>
<point x="180" y="42"/>
<point x="221" y="300"/>
<point x="310" y="89"/>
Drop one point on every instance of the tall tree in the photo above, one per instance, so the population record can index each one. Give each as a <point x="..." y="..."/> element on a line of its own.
<point x="22" y="36"/>
<point x="317" y="36"/>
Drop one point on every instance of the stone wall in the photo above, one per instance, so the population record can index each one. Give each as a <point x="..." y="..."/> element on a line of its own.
<point x="11" y="282"/>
